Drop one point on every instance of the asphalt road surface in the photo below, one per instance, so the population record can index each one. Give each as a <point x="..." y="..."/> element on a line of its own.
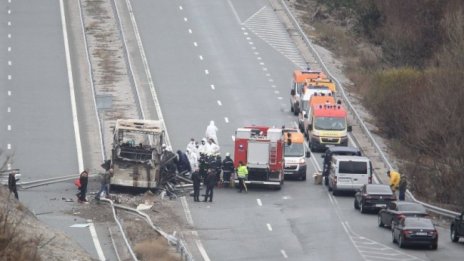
<point x="231" y="62"/>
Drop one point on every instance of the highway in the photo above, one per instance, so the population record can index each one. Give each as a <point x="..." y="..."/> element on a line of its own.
<point x="231" y="62"/>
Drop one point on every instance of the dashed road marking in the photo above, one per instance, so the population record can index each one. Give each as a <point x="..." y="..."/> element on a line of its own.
<point x="9" y="63"/>
<point x="219" y="102"/>
<point x="9" y="23"/>
<point x="269" y="227"/>
<point x="201" y="57"/>
<point x="9" y="76"/>
<point x="9" y="11"/>
<point x="276" y="92"/>
<point x="8" y="109"/>
<point x="180" y="7"/>
<point x="245" y="33"/>
<point x="9" y="127"/>
<point x="251" y="43"/>
<point x="212" y="87"/>
<point x="9" y="93"/>
<point x="185" y="19"/>
<point x="283" y="253"/>
<point x="190" y="31"/>
<point x="206" y="72"/>
<point x="9" y="146"/>
<point x="195" y="44"/>
<point x="9" y="48"/>
<point x="93" y="233"/>
<point x="226" y="119"/>
<point x="259" y="202"/>
<point x="253" y="47"/>
<point x="259" y="58"/>
<point x="271" y="80"/>
<point x="279" y="98"/>
<point x="261" y="63"/>
<point x="9" y="35"/>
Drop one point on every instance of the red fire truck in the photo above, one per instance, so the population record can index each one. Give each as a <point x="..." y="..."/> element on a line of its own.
<point x="261" y="149"/>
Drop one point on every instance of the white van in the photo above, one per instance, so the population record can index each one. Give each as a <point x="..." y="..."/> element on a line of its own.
<point x="349" y="173"/>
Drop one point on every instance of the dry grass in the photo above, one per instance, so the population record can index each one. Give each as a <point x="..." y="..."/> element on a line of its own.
<point x="155" y="249"/>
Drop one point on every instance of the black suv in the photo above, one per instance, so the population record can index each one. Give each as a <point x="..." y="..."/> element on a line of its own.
<point x="336" y="150"/>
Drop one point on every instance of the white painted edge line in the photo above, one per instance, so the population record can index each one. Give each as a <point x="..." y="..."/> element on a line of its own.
<point x="283" y="253"/>
<point x="253" y="15"/>
<point x="188" y="215"/>
<point x="96" y="242"/>
<point x="71" y="89"/>
<point x="259" y="202"/>
<point x="202" y="250"/>
<point x="235" y="13"/>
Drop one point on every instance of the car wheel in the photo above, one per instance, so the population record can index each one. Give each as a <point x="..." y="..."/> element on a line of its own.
<point x="379" y="221"/>
<point x="434" y="246"/>
<point x="400" y="242"/>
<point x="356" y="205"/>
<point x="454" y="235"/>
<point x="393" y="237"/>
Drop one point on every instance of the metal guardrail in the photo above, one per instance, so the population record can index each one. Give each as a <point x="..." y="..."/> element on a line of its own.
<point x="364" y="128"/>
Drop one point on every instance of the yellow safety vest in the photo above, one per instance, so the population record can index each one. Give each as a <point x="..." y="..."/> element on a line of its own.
<point x="242" y="172"/>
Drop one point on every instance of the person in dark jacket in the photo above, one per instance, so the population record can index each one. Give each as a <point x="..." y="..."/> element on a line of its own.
<point x="227" y="168"/>
<point x="402" y="188"/>
<point x="210" y="182"/>
<point x="183" y="163"/>
<point x="12" y="184"/>
<point x="84" y="180"/>
<point x="105" y="184"/>
<point x="196" y="179"/>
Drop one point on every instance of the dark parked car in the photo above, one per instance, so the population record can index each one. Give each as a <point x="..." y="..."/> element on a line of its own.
<point x="336" y="150"/>
<point x="373" y="197"/>
<point x="457" y="228"/>
<point x="397" y="210"/>
<point x="415" y="231"/>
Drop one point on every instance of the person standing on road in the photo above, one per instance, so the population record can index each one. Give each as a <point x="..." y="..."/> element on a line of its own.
<point x="211" y="132"/>
<point x="84" y="180"/>
<point x="242" y="173"/>
<point x="402" y="188"/>
<point x="196" y="179"/>
<point x="394" y="179"/>
<point x="227" y="169"/>
<point x="105" y="184"/>
<point x="12" y="184"/>
<point x="210" y="182"/>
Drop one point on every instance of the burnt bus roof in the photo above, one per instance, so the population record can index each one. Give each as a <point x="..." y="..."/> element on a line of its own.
<point x="148" y="126"/>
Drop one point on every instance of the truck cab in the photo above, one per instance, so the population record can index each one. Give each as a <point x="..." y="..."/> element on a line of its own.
<point x="457" y="228"/>
<point x="295" y="154"/>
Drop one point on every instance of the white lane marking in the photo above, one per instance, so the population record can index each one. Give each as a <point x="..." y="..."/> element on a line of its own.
<point x="9" y="11"/>
<point x="9" y="127"/>
<point x="9" y="93"/>
<point x="9" y="1"/>
<point x="259" y="202"/>
<point x="226" y="119"/>
<point x="190" y="31"/>
<point x="212" y="86"/>
<point x="77" y="134"/>
<point x="9" y="146"/>
<point x="233" y="137"/>
<point x="248" y="38"/>
<point x="200" y="247"/>
<point x="261" y="63"/>
<point x="256" y="53"/>
<point x="276" y="92"/>
<point x="96" y="242"/>
<point x="267" y="74"/>
<point x="259" y="58"/>
<point x="279" y="98"/>
<point x="8" y="109"/>
<point x="245" y="33"/>
<point x="9" y="23"/>
<point x="9" y="35"/>
<point x="201" y="57"/>
<point x="195" y="44"/>
<point x="206" y="72"/>
<point x="253" y="15"/>
<point x="251" y="43"/>
<point x="9" y="48"/>
<point x="188" y="215"/>
<point x="235" y="13"/>
<point x="271" y="80"/>
<point x="269" y="227"/>
<point x="219" y="102"/>
<point x="185" y="19"/>
<point x="9" y="63"/>
<point x="274" y="86"/>
<point x="253" y="47"/>
<point x="9" y="76"/>
<point x="180" y="7"/>
<point x="283" y="253"/>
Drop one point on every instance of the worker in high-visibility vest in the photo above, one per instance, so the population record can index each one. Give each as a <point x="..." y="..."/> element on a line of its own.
<point x="394" y="179"/>
<point x="242" y="174"/>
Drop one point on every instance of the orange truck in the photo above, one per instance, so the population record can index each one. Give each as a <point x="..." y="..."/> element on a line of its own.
<point x="300" y="77"/>
<point x="324" y="123"/>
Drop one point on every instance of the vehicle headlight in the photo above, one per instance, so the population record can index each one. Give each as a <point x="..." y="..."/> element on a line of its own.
<point x="301" y="161"/>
